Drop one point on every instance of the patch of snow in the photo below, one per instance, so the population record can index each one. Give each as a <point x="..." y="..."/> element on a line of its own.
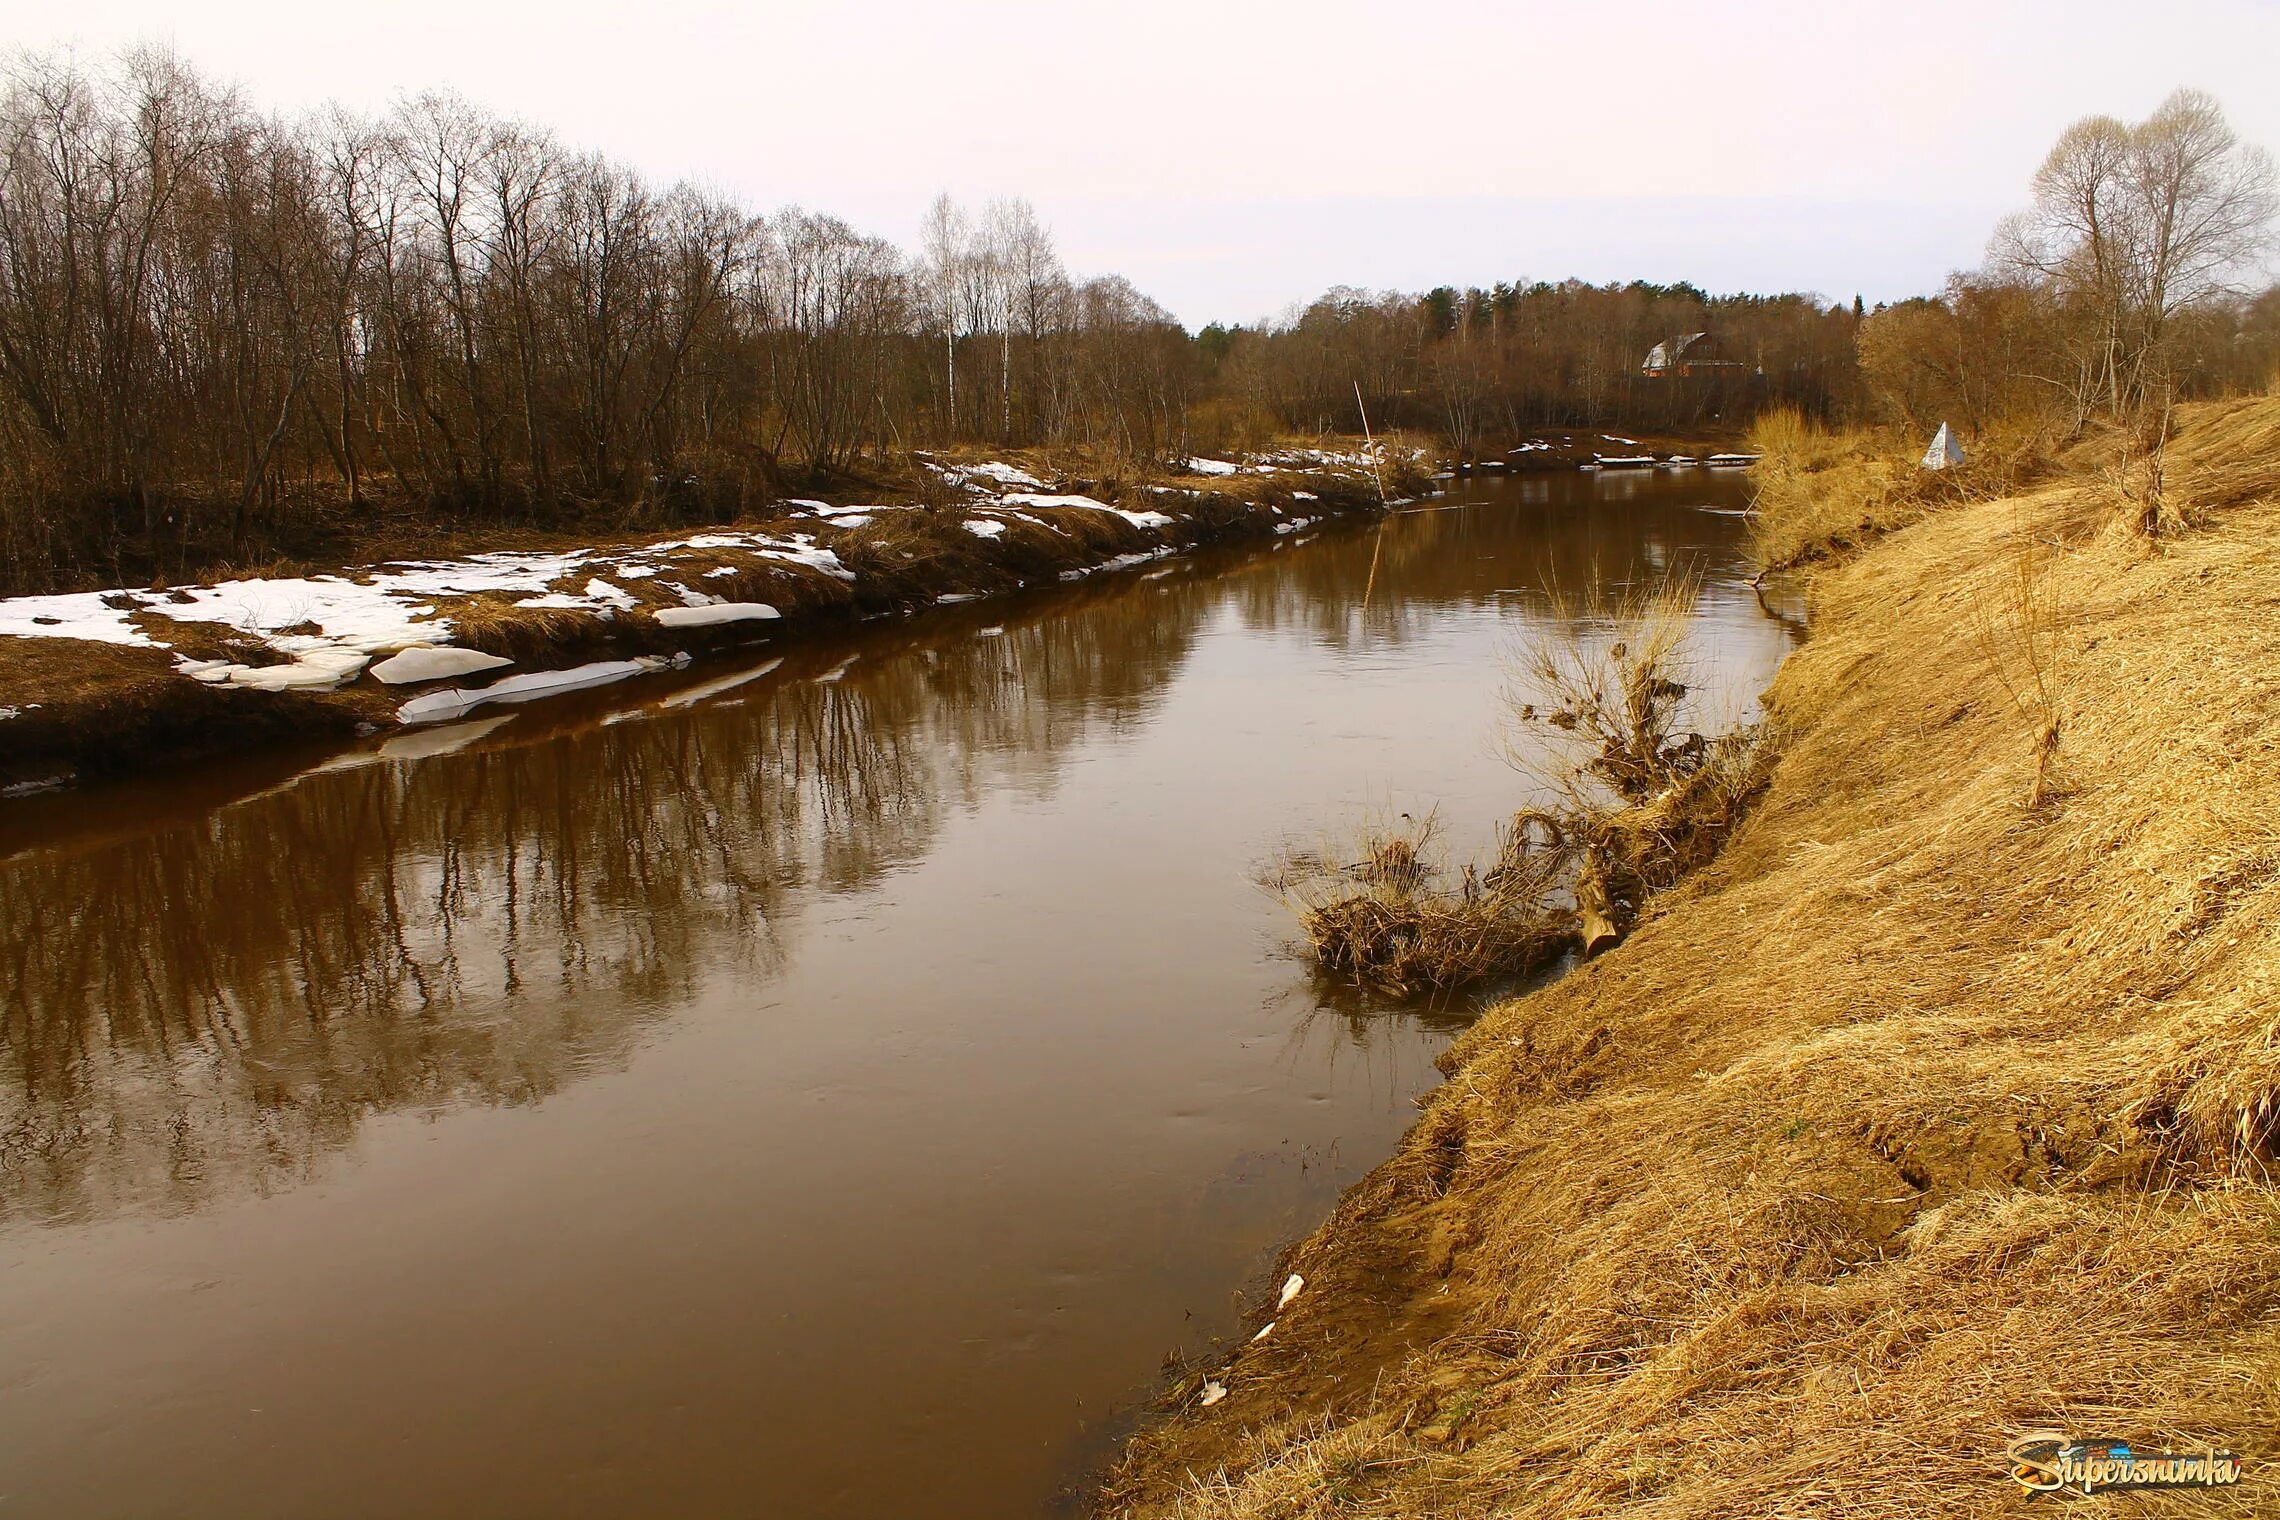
<point x="982" y="527"/>
<point x="1208" y="467"/>
<point x="1000" y="474"/>
<point x="384" y="612"/>
<point x="1359" y="462"/>
<point x="27" y="788"/>
<point x="688" y="597"/>
<point x="802" y="551"/>
<point x="415" y="665"/>
<point x="716" y="612"/>
<point x="72" y="615"/>
<point x="349" y="618"/>
<point x="1137" y="519"/>
<point x="952" y="598"/>
<point x="295" y="675"/>
<point x="1290" y="1290"/>
<point x="1213" y="1392"/>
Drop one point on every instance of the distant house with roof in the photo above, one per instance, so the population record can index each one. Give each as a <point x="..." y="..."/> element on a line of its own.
<point x="1695" y="354"/>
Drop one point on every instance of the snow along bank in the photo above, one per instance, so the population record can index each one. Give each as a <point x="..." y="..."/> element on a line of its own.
<point x="375" y="645"/>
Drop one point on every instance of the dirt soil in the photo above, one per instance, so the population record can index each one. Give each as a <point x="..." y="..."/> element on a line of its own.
<point x="1941" y="1107"/>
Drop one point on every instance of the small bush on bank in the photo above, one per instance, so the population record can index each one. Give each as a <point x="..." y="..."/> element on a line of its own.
<point x="1390" y="918"/>
<point x="1642" y="800"/>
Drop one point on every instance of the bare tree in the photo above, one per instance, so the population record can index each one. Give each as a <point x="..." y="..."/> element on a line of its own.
<point x="2132" y="224"/>
<point x="944" y="237"/>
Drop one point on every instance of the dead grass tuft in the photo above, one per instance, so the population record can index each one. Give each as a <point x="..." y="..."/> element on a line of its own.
<point x="1390" y="919"/>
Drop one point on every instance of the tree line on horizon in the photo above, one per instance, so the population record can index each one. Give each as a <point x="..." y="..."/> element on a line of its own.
<point x="218" y="326"/>
<point x="2133" y="280"/>
<point x="211" y="318"/>
<point x="1481" y="367"/>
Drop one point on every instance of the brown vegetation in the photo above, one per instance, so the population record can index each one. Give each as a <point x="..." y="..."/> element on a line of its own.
<point x="1944" y="1104"/>
<point x="1393" y="922"/>
<point x="1822" y="491"/>
<point x="1638" y="802"/>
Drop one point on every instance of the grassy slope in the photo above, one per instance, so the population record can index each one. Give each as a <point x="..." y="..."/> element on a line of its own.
<point x="1924" y="1116"/>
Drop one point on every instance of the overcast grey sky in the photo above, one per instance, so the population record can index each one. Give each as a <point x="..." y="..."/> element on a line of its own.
<point x="1232" y="158"/>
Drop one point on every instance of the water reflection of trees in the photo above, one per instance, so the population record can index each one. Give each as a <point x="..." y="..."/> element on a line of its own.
<point x="217" y="1001"/>
<point x="1582" y="534"/>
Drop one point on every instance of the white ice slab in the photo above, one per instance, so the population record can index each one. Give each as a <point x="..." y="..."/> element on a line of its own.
<point x="432" y="664"/>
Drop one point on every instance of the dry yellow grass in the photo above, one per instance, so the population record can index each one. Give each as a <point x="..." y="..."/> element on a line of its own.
<point x="1940" y="1107"/>
<point x="1823" y="492"/>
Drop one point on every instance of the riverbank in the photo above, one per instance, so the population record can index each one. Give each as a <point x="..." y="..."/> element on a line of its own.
<point x="1940" y="1107"/>
<point x="103" y="682"/>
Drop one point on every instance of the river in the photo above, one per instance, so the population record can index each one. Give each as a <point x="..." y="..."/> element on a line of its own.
<point x="828" y="1087"/>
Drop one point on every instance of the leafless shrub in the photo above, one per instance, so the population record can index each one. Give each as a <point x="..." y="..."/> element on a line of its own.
<point x="1640" y="800"/>
<point x="2020" y="633"/>
<point x="1385" y="913"/>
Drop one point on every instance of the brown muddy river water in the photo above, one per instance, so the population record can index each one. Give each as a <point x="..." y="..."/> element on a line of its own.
<point x="818" y="1089"/>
